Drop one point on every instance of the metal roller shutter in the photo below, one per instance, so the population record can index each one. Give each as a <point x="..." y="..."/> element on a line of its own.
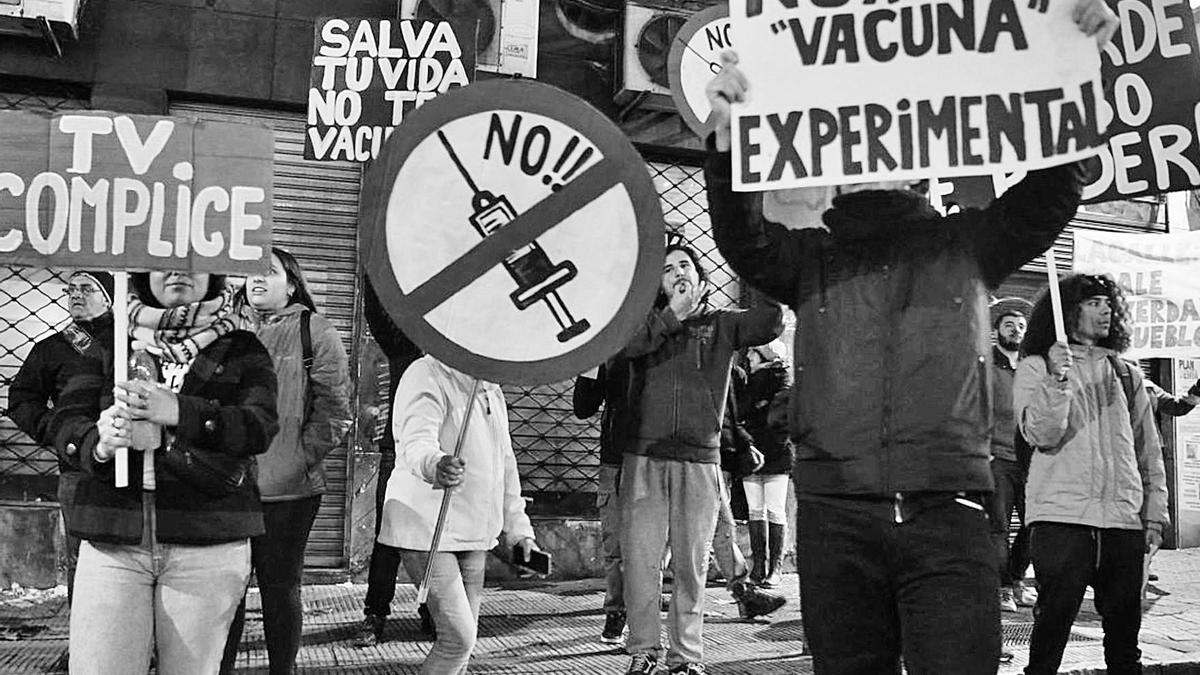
<point x="316" y="219"/>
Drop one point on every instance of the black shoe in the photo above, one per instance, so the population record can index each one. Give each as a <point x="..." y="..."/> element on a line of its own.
<point x="1006" y="656"/>
<point x="370" y="632"/>
<point x="643" y="663"/>
<point x="428" y="627"/>
<point x="753" y="602"/>
<point x="690" y="669"/>
<point x="614" y="628"/>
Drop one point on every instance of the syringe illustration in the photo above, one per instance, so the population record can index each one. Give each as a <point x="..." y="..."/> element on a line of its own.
<point x="537" y="278"/>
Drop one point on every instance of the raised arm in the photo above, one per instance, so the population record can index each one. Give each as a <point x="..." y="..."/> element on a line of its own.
<point x="765" y="254"/>
<point x="1041" y="403"/>
<point x="654" y="331"/>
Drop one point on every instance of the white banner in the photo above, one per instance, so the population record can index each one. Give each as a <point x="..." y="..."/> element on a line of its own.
<point x="850" y="91"/>
<point x="1160" y="274"/>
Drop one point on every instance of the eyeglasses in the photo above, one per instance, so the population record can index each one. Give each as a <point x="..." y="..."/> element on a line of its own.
<point x="80" y="290"/>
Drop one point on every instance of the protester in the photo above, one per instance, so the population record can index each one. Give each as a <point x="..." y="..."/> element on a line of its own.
<point x="314" y="414"/>
<point x="889" y="407"/>
<point x="430" y="409"/>
<point x="165" y="560"/>
<point x="738" y="457"/>
<point x="33" y="395"/>
<point x="610" y="387"/>
<point x="1163" y="403"/>
<point x="1096" y="498"/>
<point x="385" y="560"/>
<point x="764" y="409"/>
<point x="1007" y="471"/>
<point x="670" y="476"/>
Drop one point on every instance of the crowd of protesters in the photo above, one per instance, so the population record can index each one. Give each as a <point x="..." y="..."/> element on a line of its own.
<point x="909" y="447"/>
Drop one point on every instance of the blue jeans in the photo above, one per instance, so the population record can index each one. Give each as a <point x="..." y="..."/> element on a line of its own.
<point x="873" y="589"/>
<point x="609" y="506"/>
<point x="455" y="593"/>
<point x="667" y="502"/>
<point x="175" y="600"/>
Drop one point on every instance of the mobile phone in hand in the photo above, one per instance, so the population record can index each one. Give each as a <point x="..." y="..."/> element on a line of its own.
<point x="538" y="561"/>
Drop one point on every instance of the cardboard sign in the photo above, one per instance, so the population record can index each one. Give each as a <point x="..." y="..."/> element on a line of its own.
<point x="850" y="91"/>
<point x="513" y="232"/>
<point x="369" y="73"/>
<point x="103" y="190"/>
<point x="695" y="59"/>
<point x="1152" y="67"/>
<point x="1158" y="274"/>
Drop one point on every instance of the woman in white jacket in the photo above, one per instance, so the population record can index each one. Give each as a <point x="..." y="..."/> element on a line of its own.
<point x="428" y="412"/>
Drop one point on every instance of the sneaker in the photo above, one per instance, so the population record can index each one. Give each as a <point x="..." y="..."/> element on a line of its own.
<point x="614" y="628"/>
<point x="753" y="602"/>
<point x="1007" y="604"/>
<point x="1024" y="595"/>
<point x="1006" y="656"/>
<point x="690" y="669"/>
<point x="643" y="663"/>
<point x="370" y="632"/>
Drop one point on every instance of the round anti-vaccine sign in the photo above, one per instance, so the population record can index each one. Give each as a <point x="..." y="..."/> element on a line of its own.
<point x="513" y="232"/>
<point x="695" y="59"/>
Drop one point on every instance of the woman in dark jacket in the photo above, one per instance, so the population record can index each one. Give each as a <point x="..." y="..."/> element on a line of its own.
<point x="764" y="414"/>
<point x="165" y="560"/>
<point x="314" y="415"/>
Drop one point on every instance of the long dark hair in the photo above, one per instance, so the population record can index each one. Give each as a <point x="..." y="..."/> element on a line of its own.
<point x="139" y="283"/>
<point x="1075" y="289"/>
<point x="661" y="299"/>
<point x="295" y="277"/>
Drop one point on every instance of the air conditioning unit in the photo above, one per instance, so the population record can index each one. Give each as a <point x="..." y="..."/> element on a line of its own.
<point x="648" y="30"/>
<point x="507" y="41"/>
<point x="52" y="20"/>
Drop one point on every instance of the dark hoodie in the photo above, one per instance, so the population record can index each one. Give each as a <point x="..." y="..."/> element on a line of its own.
<point x="892" y="349"/>
<point x="683" y="372"/>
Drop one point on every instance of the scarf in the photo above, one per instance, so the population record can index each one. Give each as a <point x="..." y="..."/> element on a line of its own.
<point x="178" y="334"/>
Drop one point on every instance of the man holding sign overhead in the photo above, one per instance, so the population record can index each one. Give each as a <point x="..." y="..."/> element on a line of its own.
<point x="890" y="412"/>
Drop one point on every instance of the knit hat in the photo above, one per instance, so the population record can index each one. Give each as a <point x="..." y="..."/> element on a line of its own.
<point x="102" y="280"/>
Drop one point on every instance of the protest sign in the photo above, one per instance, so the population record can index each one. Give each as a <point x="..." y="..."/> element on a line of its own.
<point x="695" y="59"/>
<point x="513" y="232"/>
<point x="847" y="91"/>
<point x="1152" y="67"/>
<point x="103" y="190"/>
<point x="1158" y="275"/>
<point x="369" y="73"/>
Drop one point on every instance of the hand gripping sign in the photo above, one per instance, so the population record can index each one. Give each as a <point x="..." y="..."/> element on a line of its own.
<point x="513" y="232"/>
<point x="104" y="190"/>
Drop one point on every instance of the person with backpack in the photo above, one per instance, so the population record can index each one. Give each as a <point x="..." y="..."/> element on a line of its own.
<point x="1096" y="497"/>
<point x="314" y="416"/>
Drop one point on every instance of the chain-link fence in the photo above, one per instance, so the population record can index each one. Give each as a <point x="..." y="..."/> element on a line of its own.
<point x="31" y="308"/>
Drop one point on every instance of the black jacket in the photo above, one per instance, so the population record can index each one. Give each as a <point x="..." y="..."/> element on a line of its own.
<point x="892" y="351"/>
<point x="763" y="407"/>
<point x="226" y="404"/>
<point x="615" y="387"/>
<point x="34" y="392"/>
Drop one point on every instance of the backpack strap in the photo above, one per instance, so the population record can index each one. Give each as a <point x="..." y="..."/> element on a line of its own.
<point x="1126" y="376"/>
<point x="306" y="339"/>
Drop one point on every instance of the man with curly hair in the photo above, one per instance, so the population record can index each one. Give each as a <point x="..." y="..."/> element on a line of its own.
<point x="1096" y="499"/>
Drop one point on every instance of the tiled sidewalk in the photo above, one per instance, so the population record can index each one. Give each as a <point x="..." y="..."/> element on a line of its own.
<point x="553" y="628"/>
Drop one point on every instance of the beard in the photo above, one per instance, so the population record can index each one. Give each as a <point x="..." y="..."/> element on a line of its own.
<point x="1008" y="344"/>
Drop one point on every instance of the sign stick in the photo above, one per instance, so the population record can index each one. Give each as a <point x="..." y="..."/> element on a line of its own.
<point x="1060" y="331"/>
<point x="423" y="588"/>
<point x="121" y="360"/>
